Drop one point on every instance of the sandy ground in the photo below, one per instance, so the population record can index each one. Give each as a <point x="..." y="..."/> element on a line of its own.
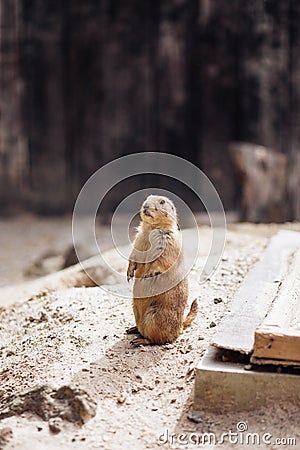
<point x="76" y="337"/>
<point x="27" y="240"/>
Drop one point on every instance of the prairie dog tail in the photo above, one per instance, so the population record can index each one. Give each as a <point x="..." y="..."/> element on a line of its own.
<point x="191" y="315"/>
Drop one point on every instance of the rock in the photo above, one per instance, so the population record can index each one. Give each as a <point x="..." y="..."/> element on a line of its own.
<point x="258" y="166"/>
<point x="81" y="407"/>
<point x="294" y="186"/>
<point x="55" y="425"/>
<point x="195" y="417"/>
<point x="71" y="404"/>
<point x="46" y="264"/>
<point x="121" y="398"/>
<point x="83" y="249"/>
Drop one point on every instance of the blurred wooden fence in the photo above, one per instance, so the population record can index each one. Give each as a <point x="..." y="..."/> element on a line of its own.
<point x="83" y="82"/>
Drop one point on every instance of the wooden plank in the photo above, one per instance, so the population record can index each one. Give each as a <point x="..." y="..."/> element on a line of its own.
<point x="287" y="303"/>
<point x="14" y="157"/>
<point x="254" y="298"/>
<point x="278" y="337"/>
<point x="277" y="343"/>
<point x="275" y="362"/>
<point x="294" y="131"/>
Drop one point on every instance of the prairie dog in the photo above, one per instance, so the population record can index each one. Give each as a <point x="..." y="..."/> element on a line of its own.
<point x="160" y="290"/>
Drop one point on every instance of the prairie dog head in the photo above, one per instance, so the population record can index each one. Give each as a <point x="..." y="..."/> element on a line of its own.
<point x="159" y="211"/>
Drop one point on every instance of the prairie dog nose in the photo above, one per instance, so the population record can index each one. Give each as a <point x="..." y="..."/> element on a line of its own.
<point x="146" y="206"/>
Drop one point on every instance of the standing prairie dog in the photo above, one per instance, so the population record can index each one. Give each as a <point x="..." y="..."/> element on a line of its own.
<point x="160" y="290"/>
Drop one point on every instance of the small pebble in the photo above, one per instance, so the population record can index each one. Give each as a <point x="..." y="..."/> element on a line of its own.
<point x="121" y="399"/>
<point x="194" y="417"/>
<point x="55" y="425"/>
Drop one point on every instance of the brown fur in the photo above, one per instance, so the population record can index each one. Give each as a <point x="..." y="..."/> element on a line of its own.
<point x="159" y="318"/>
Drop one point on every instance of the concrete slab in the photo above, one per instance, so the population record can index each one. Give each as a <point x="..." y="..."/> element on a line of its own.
<point x="224" y="385"/>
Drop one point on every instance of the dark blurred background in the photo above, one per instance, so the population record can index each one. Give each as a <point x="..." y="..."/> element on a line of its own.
<point x="85" y="81"/>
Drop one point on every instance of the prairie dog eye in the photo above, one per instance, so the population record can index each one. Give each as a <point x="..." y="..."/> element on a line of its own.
<point x="162" y="202"/>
